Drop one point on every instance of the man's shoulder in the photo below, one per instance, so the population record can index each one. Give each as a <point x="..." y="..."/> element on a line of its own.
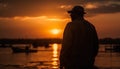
<point x="89" y="23"/>
<point x="69" y="23"/>
<point x="74" y="23"/>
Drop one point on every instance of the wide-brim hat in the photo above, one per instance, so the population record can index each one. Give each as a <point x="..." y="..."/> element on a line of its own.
<point x="77" y="9"/>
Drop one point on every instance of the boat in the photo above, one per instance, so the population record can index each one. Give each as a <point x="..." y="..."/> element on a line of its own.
<point x="115" y="48"/>
<point x="23" y="50"/>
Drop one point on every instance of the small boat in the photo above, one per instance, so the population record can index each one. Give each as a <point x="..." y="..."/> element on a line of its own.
<point x="21" y="50"/>
<point x="115" y="48"/>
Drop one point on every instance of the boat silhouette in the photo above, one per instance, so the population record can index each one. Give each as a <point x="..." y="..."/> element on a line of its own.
<point x="115" y="48"/>
<point x="22" y="50"/>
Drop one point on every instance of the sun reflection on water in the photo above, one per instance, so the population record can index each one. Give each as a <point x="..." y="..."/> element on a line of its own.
<point x="55" y="56"/>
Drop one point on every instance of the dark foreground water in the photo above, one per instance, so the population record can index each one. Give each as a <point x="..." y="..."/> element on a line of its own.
<point x="47" y="58"/>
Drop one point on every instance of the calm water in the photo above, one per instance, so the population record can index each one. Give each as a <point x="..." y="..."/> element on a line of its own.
<point x="48" y="58"/>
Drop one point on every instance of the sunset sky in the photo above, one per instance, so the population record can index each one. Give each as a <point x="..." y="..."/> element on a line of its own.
<point x="47" y="18"/>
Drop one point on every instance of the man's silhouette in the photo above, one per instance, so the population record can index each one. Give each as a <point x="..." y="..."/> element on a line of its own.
<point x="80" y="42"/>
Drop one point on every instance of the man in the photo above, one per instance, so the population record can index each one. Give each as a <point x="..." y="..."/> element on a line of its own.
<point x="80" y="42"/>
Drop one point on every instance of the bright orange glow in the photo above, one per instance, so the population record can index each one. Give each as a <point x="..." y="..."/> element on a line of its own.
<point x="55" y="48"/>
<point x="55" y="56"/>
<point x="55" y="31"/>
<point x="90" y="6"/>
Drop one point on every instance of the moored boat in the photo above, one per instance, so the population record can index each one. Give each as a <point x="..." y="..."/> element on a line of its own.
<point x="20" y="50"/>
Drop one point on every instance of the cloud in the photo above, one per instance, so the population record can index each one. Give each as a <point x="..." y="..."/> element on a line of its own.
<point x="45" y="18"/>
<point x="28" y="8"/>
<point x="35" y="8"/>
<point x="65" y="6"/>
<point x="110" y="7"/>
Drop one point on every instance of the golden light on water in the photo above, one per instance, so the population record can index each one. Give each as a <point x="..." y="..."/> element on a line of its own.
<point x="55" y="48"/>
<point x="55" y="56"/>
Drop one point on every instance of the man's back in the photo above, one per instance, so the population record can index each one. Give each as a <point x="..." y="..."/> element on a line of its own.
<point x="80" y="43"/>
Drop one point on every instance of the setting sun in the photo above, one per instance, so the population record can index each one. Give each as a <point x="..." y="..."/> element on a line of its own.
<point x="55" y="31"/>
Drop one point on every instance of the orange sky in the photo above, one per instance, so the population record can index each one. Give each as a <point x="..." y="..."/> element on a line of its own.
<point x="107" y="25"/>
<point x="37" y="19"/>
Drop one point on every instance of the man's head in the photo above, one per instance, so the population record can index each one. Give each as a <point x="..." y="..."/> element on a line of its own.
<point x="76" y="12"/>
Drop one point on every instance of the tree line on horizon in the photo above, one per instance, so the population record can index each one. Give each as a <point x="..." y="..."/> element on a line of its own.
<point x="56" y="40"/>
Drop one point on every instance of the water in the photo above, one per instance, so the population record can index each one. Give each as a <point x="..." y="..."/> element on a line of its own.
<point x="47" y="58"/>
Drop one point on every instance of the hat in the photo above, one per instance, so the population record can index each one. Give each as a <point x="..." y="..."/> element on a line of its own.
<point x="77" y="9"/>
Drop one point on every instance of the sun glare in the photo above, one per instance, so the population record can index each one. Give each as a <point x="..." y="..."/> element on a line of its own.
<point x="55" y="31"/>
